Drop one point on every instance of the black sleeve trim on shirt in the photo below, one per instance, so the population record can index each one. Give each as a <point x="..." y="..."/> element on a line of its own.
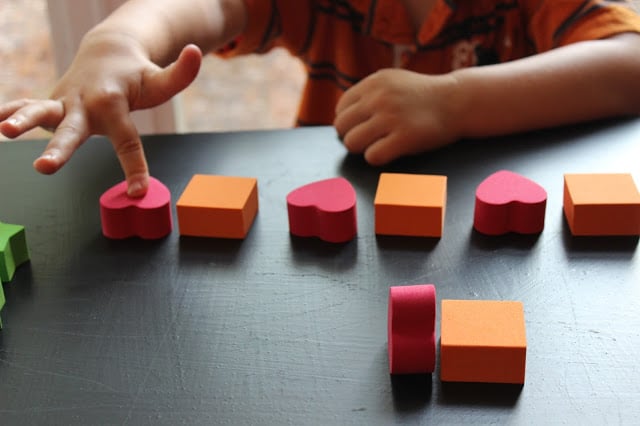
<point x="471" y="26"/>
<point x="372" y="13"/>
<point x="452" y="4"/>
<point x="311" y="29"/>
<point x="342" y="10"/>
<point x="328" y="71"/>
<point x="583" y="10"/>
<point x="273" y="28"/>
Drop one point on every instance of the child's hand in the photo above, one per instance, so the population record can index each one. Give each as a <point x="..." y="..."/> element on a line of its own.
<point x="110" y="77"/>
<point x="395" y="112"/>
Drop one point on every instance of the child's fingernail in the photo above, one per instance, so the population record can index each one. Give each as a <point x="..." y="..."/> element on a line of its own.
<point x="49" y="156"/>
<point x="13" y="121"/>
<point x="135" y="190"/>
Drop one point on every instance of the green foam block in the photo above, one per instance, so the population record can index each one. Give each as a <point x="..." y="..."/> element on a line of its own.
<point x="13" y="250"/>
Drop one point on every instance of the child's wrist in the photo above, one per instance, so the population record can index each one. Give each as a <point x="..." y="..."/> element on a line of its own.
<point x="108" y="42"/>
<point x="456" y="105"/>
<point x="461" y="108"/>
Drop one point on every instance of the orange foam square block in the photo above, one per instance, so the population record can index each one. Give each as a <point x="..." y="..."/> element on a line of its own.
<point x="482" y="341"/>
<point x="602" y="204"/>
<point x="410" y="205"/>
<point x="218" y="206"/>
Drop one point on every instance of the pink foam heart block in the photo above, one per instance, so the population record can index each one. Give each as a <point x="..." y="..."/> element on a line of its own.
<point x="325" y="209"/>
<point x="411" y="329"/>
<point x="509" y="202"/>
<point x="147" y="217"/>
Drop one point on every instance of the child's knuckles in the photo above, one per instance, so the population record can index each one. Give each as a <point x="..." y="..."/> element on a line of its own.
<point x="127" y="146"/>
<point x="104" y="99"/>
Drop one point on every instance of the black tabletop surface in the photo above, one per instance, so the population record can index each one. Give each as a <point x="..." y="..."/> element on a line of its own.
<point x="280" y="330"/>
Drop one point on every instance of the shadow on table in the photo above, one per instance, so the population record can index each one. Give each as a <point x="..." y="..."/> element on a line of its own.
<point x="323" y="248"/>
<point x="222" y="249"/>
<point x="479" y="394"/>
<point x="402" y="243"/>
<point x="411" y="392"/>
<point x="510" y="240"/>
<point x="310" y="249"/>
<point x="21" y="285"/>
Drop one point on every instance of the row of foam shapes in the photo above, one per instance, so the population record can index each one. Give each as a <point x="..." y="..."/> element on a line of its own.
<point x="481" y="341"/>
<point x="13" y="253"/>
<point x="405" y="205"/>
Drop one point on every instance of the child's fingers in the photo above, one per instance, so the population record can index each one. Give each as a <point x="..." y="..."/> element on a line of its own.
<point x="348" y="98"/>
<point x="365" y="134"/>
<point x="160" y="85"/>
<point x="10" y="107"/>
<point x="22" y="116"/>
<point x="128" y="147"/>
<point x="384" y="150"/>
<point x="349" y="118"/>
<point x="70" y="133"/>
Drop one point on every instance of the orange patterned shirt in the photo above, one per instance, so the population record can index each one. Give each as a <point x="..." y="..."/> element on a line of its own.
<point x="343" y="41"/>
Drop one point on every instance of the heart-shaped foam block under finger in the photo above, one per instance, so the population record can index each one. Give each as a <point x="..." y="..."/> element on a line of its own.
<point x="509" y="202"/>
<point x="147" y="217"/>
<point x="325" y="209"/>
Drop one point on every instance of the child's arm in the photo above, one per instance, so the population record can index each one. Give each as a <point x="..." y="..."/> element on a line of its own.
<point x="395" y="112"/>
<point x="124" y="64"/>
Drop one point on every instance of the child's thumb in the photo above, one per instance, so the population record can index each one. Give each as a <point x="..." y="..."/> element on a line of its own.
<point x="163" y="84"/>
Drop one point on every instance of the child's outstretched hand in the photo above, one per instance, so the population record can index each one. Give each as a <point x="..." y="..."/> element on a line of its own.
<point x="110" y="76"/>
<point x="395" y="112"/>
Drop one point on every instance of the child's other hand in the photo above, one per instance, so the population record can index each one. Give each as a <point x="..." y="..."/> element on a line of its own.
<point x="110" y="77"/>
<point x="396" y="112"/>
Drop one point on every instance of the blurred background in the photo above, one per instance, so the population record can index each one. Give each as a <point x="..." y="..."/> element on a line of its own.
<point x="253" y="92"/>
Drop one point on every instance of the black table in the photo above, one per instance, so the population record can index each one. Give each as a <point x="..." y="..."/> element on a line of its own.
<point x="281" y="330"/>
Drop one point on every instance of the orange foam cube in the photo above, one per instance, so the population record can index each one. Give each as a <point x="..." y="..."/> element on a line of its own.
<point x="601" y="204"/>
<point x="482" y="341"/>
<point x="218" y="206"/>
<point x="410" y="205"/>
